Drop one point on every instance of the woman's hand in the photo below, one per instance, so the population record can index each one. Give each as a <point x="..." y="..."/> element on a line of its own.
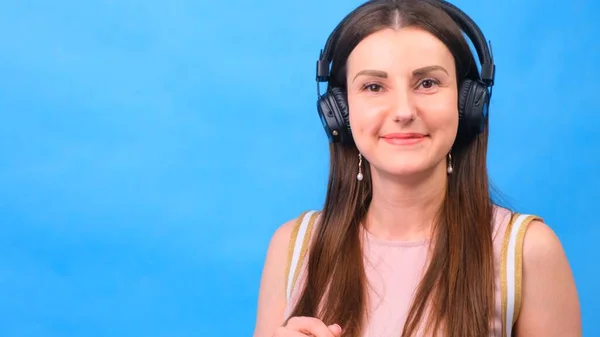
<point x="308" y="326"/>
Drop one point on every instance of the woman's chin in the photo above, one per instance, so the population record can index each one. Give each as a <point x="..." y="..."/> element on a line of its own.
<point x="401" y="172"/>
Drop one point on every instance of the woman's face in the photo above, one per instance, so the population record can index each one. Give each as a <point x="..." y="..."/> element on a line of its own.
<point x="403" y="101"/>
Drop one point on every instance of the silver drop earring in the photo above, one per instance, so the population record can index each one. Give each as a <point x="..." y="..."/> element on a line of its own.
<point x="449" y="169"/>
<point x="359" y="176"/>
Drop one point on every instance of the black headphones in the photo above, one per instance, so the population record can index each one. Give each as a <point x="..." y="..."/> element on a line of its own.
<point x="473" y="95"/>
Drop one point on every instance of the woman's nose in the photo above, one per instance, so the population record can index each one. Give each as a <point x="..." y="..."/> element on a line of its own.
<point x="402" y="109"/>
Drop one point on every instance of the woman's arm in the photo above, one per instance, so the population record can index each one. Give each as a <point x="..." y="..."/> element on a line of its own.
<point x="271" y="297"/>
<point x="550" y="304"/>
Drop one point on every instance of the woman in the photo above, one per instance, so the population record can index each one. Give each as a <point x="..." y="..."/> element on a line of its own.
<point x="409" y="242"/>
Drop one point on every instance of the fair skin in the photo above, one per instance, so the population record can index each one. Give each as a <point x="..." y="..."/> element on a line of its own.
<point x="415" y="99"/>
<point x="404" y="121"/>
<point x="271" y="302"/>
<point x="550" y="301"/>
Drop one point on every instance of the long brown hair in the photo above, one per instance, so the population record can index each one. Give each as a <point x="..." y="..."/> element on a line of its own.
<point x="456" y="293"/>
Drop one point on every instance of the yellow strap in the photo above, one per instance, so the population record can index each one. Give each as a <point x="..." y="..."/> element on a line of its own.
<point x="518" y="269"/>
<point x="303" y="248"/>
<point x="291" y="246"/>
<point x="519" y="263"/>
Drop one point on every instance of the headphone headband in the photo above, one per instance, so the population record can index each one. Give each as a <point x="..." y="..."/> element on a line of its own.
<point x="486" y="59"/>
<point x="468" y="26"/>
<point x="324" y="56"/>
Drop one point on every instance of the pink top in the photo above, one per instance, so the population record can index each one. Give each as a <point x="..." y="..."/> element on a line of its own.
<point x="393" y="271"/>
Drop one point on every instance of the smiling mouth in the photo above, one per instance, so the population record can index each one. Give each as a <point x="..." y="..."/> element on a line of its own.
<point x="404" y="138"/>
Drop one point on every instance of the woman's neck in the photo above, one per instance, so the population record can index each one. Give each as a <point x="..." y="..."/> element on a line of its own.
<point x="405" y="209"/>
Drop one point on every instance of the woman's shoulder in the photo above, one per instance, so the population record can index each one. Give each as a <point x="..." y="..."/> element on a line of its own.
<point x="299" y="238"/>
<point x="291" y="236"/>
<point x="295" y="228"/>
<point x="274" y="285"/>
<point x="544" y="272"/>
<point x="528" y="235"/>
<point x="508" y="222"/>
<point x="279" y="243"/>
<point x="507" y="219"/>
<point x="533" y="268"/>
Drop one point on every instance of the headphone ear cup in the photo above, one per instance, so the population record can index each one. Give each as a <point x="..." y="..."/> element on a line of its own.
<point x="473" y="102"/>
<point x="333" y="110"/>
<point x="340" y="101"/>
<point x="463" y="97"/>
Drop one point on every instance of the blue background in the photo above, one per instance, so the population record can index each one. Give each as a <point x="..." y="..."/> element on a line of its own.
<point x="149" y="149"/>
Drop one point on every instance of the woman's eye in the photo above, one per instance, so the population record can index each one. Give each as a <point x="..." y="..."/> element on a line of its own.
<point x="428" y="83"/>
<point x="372" y="87"/>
